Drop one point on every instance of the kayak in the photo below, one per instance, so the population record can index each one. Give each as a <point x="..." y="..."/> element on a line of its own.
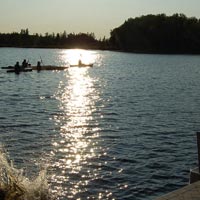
<point x="49" y="67"/>
<point x="9" y="67"/>
<point x="44" y="67"/>
<point x="83" y="65"/>
<point x="24" y="70"/>
<point x="12" y="67"/>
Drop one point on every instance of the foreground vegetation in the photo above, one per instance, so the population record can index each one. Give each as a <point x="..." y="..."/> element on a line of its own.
<point x="147" y="34"/>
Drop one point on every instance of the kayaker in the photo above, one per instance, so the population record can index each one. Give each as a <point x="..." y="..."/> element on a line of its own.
<point x="17" y="68"/>
<point x="80" y="62"/>
<point x="24" y="64"/>
<point x="38" y="66"/>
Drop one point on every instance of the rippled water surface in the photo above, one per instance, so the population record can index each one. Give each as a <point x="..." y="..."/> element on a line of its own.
<point x="124" y="129"/>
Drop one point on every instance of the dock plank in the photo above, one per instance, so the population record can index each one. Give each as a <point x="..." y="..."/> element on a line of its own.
<point x="189" y="192"/>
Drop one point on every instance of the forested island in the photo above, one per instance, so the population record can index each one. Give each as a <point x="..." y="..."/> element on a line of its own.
<point x="146" y="34"/>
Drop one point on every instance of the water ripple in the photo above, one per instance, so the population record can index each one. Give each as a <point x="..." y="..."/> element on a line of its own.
<point x="124" y="129"/>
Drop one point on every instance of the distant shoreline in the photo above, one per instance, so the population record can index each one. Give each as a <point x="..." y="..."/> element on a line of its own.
<point x="149" y="34"/>
<point x="115" y="50"/>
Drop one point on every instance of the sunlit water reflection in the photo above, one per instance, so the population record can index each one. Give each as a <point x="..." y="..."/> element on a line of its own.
<point x="71" y="57"/>
<point x="78" y="143"/>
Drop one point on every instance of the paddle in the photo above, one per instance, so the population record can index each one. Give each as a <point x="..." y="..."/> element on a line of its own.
<point x="41" y="60"/>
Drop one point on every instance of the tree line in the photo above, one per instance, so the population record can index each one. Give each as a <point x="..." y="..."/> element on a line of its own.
<point x="158" y="34"/>
<point x="146" y="34"/>
<point x="58" y="40"/>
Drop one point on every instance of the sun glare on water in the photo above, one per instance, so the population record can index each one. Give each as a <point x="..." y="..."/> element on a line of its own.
<point x="77" y="141"/>
<point x="73" y="56"/>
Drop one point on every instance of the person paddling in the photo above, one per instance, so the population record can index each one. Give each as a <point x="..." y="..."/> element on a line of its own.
<point x="17" y="68"/>
<point x="24" y="64"/>
<point x="38" y="66"/>
<point x="80" y="62"/>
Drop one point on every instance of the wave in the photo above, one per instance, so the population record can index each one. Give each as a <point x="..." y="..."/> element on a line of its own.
<point x="15" y="185"/>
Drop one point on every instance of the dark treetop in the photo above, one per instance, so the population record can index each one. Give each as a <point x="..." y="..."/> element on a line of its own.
<point x="158" y="34"/>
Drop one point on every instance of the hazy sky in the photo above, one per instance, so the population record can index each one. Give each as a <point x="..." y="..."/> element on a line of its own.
<point x="97" y="16"/>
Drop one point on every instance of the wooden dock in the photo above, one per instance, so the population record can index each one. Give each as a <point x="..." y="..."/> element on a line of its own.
<point x="192" y="190"/>
<point x="189" y="192"/>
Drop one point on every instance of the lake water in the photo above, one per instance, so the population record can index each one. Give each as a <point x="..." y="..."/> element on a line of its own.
<point x="124" y="129"/>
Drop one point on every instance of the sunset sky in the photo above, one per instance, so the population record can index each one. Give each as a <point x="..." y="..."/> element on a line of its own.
<point x="97" y="16"/>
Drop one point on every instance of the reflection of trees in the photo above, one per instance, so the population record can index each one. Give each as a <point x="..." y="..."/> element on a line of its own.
<point x="59" y="40"/>
<point x="158" y="34"/>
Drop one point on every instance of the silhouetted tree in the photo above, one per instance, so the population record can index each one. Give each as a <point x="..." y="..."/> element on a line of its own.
<point x="158" y="34"/>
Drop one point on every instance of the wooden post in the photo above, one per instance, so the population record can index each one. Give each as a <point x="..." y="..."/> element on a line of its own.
<point x="198" y="146"/>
